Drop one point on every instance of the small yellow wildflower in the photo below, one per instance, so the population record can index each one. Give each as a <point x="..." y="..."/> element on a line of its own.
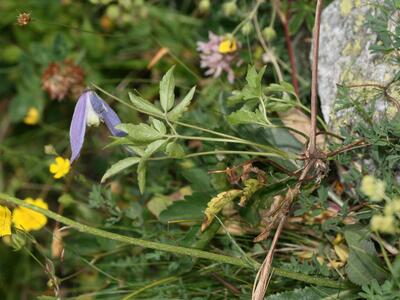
<point x="393" y="207"/>
<point x="228" y="45"/>
<point x="385" y="224"/>
<point x="373" y="188"/>
<point x="60" y="168"/>
<point x="27" y="219"/>
<point x="5" y="221"/>
<point x="32" y="117"/>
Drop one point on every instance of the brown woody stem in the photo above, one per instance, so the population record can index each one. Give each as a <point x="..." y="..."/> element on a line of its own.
<point x="314" y="79"/>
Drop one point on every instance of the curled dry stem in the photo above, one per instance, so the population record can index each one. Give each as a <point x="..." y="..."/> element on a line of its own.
<point x="385" y="89"/>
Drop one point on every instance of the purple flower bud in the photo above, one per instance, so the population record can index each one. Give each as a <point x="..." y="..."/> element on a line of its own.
<point x="89" y="111"/>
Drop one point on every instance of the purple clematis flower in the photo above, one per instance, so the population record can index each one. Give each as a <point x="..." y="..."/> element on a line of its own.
<point x="90" y="110"/>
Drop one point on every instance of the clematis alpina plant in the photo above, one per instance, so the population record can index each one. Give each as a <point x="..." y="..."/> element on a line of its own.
<point x="91" y="110"/>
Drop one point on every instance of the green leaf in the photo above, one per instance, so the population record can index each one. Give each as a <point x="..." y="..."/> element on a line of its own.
<point x="158" y="204"/>
<point x="253" y="78"/>
<point x="141" y="170"/>
<point x="159" y="126"/>
<point x="189" y="209"/>
<point x="167" y="86"/>
<point x="278" y="106"/>
<point x="180" y="108"/>
<point x="282" y="87"/>
<point x="296" y="21"/>
<point x="141" y="132"/>
<point x="199" y="179"/>
<point x="253" y="88"/>
<point x="144" y="105"/>
<point x="363" y="264"/>
<point x="152" y="148"/>
<point x="245" y="117"/>
<point x="120" y="166"/>
<point x="174" y="150"/>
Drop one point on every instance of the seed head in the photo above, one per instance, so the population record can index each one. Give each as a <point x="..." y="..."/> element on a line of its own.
<point x="24" y="19"/>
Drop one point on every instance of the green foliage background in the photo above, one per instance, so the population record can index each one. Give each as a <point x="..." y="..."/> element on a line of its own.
<point x="114" y="42"/>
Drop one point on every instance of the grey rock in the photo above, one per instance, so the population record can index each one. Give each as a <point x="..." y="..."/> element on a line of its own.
<point x="344" y="55"/>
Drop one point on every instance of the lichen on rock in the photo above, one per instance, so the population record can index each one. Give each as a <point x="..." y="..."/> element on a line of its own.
<point x="345" y="58"/>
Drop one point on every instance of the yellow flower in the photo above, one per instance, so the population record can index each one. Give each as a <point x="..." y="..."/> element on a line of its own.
<point x="60" y="168"/>
<point x="385" y="224"/>
<point x="227" y="46"/>
<point x="27" y="219"/>
<point x="373" y="188"/>
<point x="5" y="221"/>
<point x="32" y="117"/>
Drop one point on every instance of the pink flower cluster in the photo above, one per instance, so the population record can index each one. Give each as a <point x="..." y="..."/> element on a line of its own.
<point x="214" y="61"/>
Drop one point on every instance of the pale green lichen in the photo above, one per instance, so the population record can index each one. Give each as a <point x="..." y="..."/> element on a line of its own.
<point x="359" y="22"/>
<point x="347" y="49"/>
<point x="345" y="7"/>
<point x="352" y="49"/>
<point x="387" y="77"/>
<point x="357" y="47"/>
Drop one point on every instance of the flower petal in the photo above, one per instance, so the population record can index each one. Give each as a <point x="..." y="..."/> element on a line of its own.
<point x="108" y="115"/>
<point x="27" y="219"/>
<point x="53" y="168"/>
<point x="78" y="125"/>
<point x="5" y="221"/>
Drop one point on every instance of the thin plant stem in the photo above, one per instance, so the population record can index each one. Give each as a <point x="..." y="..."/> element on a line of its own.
<point x="151" y="285"/>
<point x="260" y="283"/>
<point x="385" y="256"/>
<point x="264" y="110"/>
<point x="269" y="52"/>
<point x="285" y="23"/>
<point x="125" y="239"/>
<point x="314" y="79"/>
<point x="252" y="13"/>
<point x="169" y="248"/>
<point x="211" y="139"/>
<point x="244" y="255"/>
<point x="222" y="152"/>
<point x="273" y="14"/>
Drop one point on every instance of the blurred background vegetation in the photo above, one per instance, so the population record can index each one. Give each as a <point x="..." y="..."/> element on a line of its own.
<point x="50" y="51"/>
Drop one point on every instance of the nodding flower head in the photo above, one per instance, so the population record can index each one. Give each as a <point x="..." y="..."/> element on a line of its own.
<point x="90" y="110"/>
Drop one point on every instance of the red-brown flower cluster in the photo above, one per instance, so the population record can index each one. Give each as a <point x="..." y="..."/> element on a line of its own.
<point x="62" y="79"/>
